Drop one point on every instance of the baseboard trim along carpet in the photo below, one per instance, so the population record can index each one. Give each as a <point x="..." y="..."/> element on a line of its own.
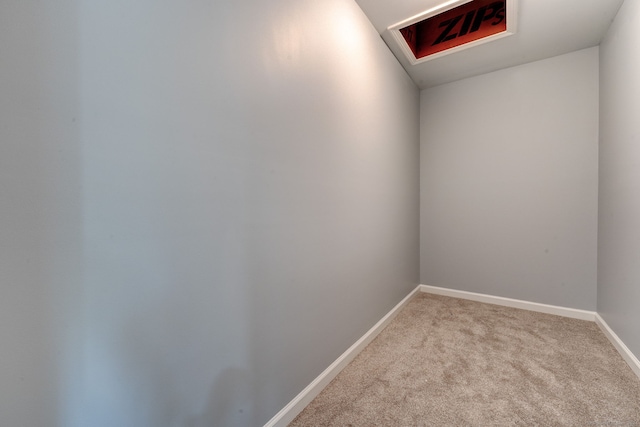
<point x="624" y="351"/>
<point x="514" y="303"/>
<point x="293" y="408"/>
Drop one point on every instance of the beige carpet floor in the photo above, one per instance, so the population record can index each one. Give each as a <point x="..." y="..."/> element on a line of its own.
<point x="452" y="362"/>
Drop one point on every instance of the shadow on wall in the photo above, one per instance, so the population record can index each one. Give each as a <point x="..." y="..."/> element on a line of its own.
<point x="167" y="187"/>
<point x="231" y="388"/>
<point x="168" y="381"/>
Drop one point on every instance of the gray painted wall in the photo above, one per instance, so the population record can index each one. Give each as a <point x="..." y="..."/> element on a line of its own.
<point x="250" y="182"/>
<point x="619" y="194"/>
<point x="203" y="205"/>
<point x="509" y="169"/>
<point x="40" y="214"/>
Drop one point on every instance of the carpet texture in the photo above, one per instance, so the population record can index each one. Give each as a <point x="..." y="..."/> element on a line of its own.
<point x="452" y="362"/>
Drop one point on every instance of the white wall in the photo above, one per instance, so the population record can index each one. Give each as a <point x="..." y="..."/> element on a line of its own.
<point x="40" y="208"/>
<point x="509" y="169"/>
<point x="619" y="195"/>
<point x="250" y="193"/>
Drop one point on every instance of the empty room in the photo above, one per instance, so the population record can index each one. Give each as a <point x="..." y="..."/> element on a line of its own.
<point x="305" y="212"/>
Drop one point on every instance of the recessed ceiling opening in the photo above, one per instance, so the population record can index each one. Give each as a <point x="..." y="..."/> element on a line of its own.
<point x="435" y="33"/>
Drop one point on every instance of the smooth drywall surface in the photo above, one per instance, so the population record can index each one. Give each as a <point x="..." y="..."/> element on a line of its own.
<point x="250" y="183"/>
<point x="509" y="170"/>
<point x="619" y="195"/>
<point x="40" y="208"/>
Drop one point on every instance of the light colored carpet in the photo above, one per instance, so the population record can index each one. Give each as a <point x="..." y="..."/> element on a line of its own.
<point x="452" y="362"/>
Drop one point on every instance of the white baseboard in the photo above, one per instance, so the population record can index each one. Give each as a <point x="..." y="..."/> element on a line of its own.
<point x="293" y="408"/>
<point x="508" y="302"/>
<point x="624" y="351"/>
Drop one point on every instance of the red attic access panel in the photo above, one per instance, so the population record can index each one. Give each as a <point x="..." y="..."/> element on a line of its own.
<point x="464" y="24"/>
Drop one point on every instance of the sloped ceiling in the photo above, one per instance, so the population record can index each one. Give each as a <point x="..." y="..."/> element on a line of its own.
<point x="546" y="28"/>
